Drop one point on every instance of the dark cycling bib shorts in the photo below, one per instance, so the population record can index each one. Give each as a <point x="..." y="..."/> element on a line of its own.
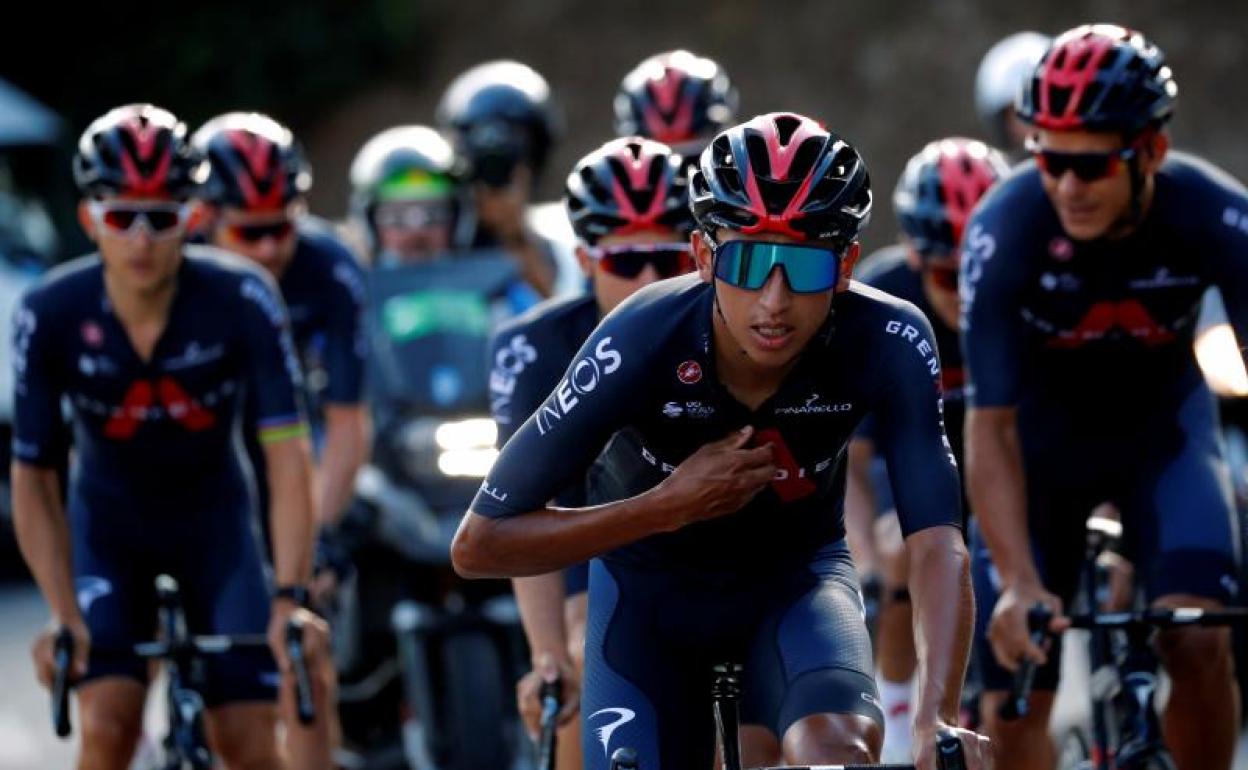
<point x="770" y="586"/>
<point x="158" y="483"/>
<point x="1092" y="343"/>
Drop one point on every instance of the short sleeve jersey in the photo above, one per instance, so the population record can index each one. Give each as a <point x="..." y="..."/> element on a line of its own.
<point x="158" y="430"/>
<point x="645" y="381"/>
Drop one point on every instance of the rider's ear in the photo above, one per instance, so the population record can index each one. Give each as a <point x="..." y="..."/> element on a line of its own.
<point x="847" y="265"/>
<point x="583" y="259"/>
<point x="703" y="255"/>
<point x="1154" y="147"/>
<point x="85" y="221"/>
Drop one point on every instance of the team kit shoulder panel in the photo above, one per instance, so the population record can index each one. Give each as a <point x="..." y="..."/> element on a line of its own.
<point x="648" y="372"/>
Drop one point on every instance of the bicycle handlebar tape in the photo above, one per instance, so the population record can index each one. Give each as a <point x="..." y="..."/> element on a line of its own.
<point x="624" y="759"/>
<point x="1016" y="704"/>
<point x="552" y="696"/>
<point x="299" y="663"/>
<point x="63" y="653"/>
<point x="949" y="754"/>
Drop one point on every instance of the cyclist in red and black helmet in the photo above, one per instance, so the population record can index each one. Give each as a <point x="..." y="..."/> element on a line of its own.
<point x="1082" y="278"/>
<point x="254" y="197"/>
<point x="629" y="207"/>
<point x="148" y="347"/>
<point x="724" y="400"/>
<point x="933" y="201"/>
<point x="678" y="98"/>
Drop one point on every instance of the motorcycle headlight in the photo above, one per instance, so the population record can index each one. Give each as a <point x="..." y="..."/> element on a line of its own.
<point x="467" y="447"/>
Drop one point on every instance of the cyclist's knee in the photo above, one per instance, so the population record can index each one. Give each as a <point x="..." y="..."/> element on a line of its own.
<point x="244" y="735"/>
<point x="1196" y="653"/>
<point x="111" y="716"/>
<point x="833" y="738"/>
<point x="1013" y="732"/>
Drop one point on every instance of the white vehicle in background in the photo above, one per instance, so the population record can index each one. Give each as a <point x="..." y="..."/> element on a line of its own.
<point x="37" y="229"/>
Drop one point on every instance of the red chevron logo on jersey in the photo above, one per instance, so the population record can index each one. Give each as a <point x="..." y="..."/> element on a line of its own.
<point x="790" y="482"/>
<point x="1129" y="316"/>
<point x="141" y="396"/>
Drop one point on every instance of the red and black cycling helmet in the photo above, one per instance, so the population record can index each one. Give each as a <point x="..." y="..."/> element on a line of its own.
<point x="139" y="150"/>
<point x="254" y="162"/>
<point x="627" y="185"/>
<point x="675" y="97"/>
<point x="782" y="173"/>
<point x="1099" y="77"/>
<point x="939" y="188"/>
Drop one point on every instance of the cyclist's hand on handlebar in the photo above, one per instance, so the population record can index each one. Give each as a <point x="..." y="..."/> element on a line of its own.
<point x="976" y="748"/>
<point x="719" y="478"/>
<point x="43" y="651"/>
<point x="1008" y="632"/>
<point x="529" y="688"/>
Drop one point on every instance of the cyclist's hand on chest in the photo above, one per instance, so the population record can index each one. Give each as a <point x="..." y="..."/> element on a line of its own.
<point x="719" y="478"/>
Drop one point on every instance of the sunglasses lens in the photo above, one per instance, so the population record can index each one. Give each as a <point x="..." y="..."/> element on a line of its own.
<point x="1088" y="166"/>
<point x="629" y="262"/>
<point x="257" y="233"/>
<point x="161" y="221"/>
<point x="748" y="265"/>
<point x="120" y="219"/>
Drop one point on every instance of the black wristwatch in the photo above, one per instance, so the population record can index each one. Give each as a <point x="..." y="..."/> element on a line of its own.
<point x="296" y="593"/>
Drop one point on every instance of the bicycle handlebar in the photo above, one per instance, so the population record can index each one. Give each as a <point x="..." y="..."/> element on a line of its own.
<point x="552" y="700"/>
<point x="299" y="664"/>
<point x="63" y="654"/>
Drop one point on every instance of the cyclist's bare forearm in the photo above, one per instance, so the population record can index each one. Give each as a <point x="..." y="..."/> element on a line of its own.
<point x="541" y="599"/>
<point x="944" y="612"/>
<point x="346" y="449"/>
<point x="551" y="539"/>
<point x="291" y="515"/>
<point x="43" y="536"/>
<point x="997" y="486"/>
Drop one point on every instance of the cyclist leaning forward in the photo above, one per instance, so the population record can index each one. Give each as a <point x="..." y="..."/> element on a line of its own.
<point x="728" y="398"/>
<point x="1081" y="282"/>
<point x="154" y="344"/>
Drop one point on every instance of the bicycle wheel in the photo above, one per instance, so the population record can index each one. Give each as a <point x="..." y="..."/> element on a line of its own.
<point x="475" y="721"/>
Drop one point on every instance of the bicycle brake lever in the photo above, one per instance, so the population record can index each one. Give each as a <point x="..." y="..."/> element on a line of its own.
<point x="63" y="653"/>
<point x="949" y="754"/>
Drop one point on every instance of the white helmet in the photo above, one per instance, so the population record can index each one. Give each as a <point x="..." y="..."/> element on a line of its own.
<point x="1001" y="74"/>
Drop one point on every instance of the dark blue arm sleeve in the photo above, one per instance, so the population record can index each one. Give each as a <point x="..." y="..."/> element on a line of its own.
<point x="1224" y="231"/>
<point x="37" y="435"/>
<point x="991" y="277"/>
<point x="910" y="431"/>
<point x="345" y="343"/>
<point x="557" y="443"/>
<point x="271" y="365"/>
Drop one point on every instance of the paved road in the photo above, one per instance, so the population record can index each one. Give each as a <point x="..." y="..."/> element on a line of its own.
<point x="26" y="739"/>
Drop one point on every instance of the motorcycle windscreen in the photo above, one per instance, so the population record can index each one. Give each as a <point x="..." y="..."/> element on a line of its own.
<point x="428" y="327"/>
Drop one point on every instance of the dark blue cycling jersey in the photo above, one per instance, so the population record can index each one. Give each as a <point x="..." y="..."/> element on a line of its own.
<point x="890" y="272"/>
<point x="323" y="289"/>
<point x="157" y="483"/>
<point x="770" y="585"/>
<point x="1092" y="343"/>
<point x="648" y="372"/>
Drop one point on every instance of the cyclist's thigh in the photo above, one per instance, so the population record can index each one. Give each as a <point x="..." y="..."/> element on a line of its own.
<point x="812" y="654"/>
<point x="1057" y="518"/>
<point x="243" y="734"/>
<point x="1179" y="522"/>
<point x="114" y="582"/>
<point x="640" y="690"/>
<point x="225" y="592"/>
